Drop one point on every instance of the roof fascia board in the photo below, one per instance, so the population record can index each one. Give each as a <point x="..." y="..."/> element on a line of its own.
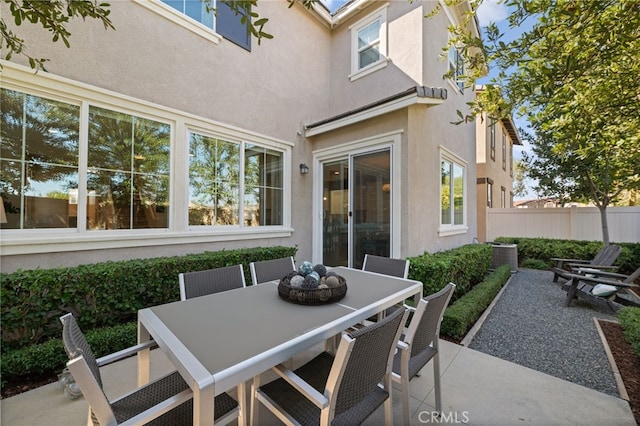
<point x="376" y="111"/>
<point x="343" y="13"/>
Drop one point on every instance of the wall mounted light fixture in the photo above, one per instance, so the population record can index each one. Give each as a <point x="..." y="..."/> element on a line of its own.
<point x="304" y="169"/>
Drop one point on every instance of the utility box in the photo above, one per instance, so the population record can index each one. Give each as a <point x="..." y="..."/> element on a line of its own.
<point x="505" y="254"/>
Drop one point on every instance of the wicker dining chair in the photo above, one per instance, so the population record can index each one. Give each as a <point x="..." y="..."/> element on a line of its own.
<point x="166" y="401"/>
<point x="339" y="390"/>
<point x="270" y="270"/>
<point x="209" y="281"/>
<point x="386" y="265"/>
<point x="419" y="345"/>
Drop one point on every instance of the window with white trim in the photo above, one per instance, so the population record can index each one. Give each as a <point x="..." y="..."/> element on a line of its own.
<point x="112" y="170"/>
<point x="456" y="67"/>
<point x="219" y="184"/>
<point x="504" y="151"/>
<point x="452" y="191"/>
<point x="217" y="16"/>
<point x="369" y="44"/>
<point x="492" y="148"/>
<point x="127" y="175"/>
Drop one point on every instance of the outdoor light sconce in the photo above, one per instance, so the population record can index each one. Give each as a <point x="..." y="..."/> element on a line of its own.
<point x="304" y="169"/>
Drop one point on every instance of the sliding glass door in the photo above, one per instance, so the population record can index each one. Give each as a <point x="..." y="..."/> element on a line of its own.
<point x="356" y="203"/>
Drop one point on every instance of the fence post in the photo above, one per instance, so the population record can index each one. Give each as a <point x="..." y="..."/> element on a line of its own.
<point x="573" y="220"/>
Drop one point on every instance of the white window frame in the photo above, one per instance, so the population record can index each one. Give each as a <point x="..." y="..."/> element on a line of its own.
<point x="356" y="71"/>
<point x="43" y="240"/>
<point x="181" y="19"/>
<point x="452" y="229"/>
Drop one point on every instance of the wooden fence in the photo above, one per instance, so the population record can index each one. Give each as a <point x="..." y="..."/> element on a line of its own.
<point x="571" y="223"/>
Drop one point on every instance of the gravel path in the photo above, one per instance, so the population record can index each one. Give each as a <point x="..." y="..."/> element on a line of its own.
<point x="529" y="325"/>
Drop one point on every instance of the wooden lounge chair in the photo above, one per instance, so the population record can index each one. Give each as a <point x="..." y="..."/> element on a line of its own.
<point x="604" y="259"/>
<point x="584" y="285"/>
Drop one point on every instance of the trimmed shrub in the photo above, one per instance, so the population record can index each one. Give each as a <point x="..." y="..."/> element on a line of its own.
<point x="464" y="312"/>
<point x="50" y="358"/>
<point x="103" y="294"/>
<point x="544" y="249"/>
<point x="629" y="318"/>
<point x="535" y="264"/>
<point x="464" y="266"/>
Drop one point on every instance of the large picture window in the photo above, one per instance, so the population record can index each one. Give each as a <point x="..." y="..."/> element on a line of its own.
<point x="452" y="192"/>
<point x="81" y="167"/>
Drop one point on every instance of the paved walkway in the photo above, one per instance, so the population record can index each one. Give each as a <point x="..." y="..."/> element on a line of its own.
<point x="530" y="325"/>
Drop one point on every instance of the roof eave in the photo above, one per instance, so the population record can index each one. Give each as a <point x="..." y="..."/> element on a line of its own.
<point x="415" y="95"/>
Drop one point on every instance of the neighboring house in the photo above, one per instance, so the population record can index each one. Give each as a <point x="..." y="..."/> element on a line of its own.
<point x="494" y="162"/>
<point x="177" y="134"/>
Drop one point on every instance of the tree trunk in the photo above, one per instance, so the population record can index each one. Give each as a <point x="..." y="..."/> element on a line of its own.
<point x="604" y="223"/>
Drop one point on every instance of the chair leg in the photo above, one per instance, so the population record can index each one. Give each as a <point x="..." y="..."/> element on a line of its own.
<point x="436" y="380"/>
<point x="404" y="383"/>
<point x="388" y="411"/>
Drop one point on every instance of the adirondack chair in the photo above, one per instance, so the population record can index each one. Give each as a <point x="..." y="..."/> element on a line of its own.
<point x="605" y="289"/>
<point x="604" y="259"/>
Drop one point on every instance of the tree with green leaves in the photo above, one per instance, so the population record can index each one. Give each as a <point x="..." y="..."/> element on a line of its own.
<point x="574" y="76"/>
<point x="54" y="16"/>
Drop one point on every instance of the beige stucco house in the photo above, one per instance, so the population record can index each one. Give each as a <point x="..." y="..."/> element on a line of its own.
<point x="494" y="161"/>
<point x="177" y="134"/>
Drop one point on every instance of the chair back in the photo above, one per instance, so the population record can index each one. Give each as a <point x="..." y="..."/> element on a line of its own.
<point x="363" y="360"/>
<point x="201" y="283"/>
<point x="85" y="371"/>
<point x="424" y="329"/>
<point x="270" y="270"/>
<point x="607" y="255"/>
<point x="385" y="265"/>
<point x="75" y="344"/>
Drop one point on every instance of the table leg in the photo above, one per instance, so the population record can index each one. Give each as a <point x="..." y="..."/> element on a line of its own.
<point x="143" y="356"/>
<point x="203" y="405"/>
<point x="571" y="294"/>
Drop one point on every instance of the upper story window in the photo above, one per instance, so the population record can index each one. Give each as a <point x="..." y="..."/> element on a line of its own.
<point x="452" y="193"/>
<point x="456" y="67"/>
<point x="492" y="150"/>
<point x="369" y="44"/>
<point x="510" y="159"/>
<point x="504" y="152"/>
<point x="217" y="16"/>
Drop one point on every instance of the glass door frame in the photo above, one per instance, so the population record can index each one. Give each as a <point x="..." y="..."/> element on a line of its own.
<point x="390" y="141"/>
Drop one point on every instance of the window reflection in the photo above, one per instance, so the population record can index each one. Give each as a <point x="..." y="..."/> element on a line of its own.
<point x="263" y="200"/>
<point x="38" y="161"/>
<point x="128" y="178"/>
<point x="214" y="192"/>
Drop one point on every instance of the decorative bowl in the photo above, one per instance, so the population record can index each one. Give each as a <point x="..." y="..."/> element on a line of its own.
<point x="328" y="289"/>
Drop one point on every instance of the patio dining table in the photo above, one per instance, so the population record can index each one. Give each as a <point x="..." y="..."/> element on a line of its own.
<point x="218" y="342"/>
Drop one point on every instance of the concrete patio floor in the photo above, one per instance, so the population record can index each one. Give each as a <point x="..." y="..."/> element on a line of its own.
<point x="477" y="389"/>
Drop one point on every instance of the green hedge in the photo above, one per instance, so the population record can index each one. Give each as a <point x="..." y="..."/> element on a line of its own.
<point x="464" y="266"/>
<point x="629" y="318"/>
<point x="103" y="294"/>
<point x="545" y="248"/>
<point x="464" y="312"/>
<point x="50" y="358"/>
